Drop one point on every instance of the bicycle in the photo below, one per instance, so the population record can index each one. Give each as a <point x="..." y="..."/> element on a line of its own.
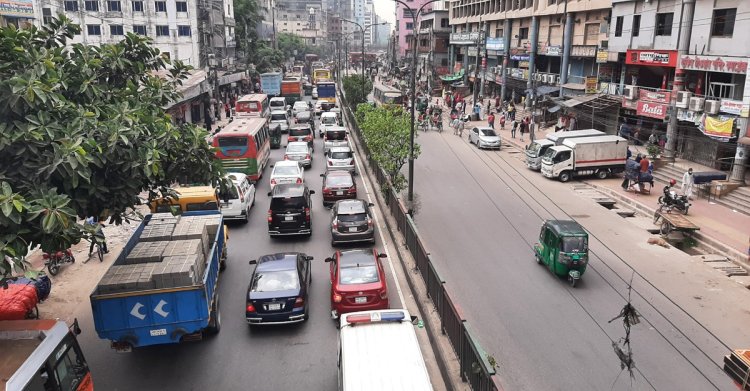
<point x="98" y="250"/>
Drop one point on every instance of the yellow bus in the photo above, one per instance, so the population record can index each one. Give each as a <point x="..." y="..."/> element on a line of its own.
<point x="321" y="74"/>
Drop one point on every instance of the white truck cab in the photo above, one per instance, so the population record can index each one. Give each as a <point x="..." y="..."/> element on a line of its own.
<point x="600" y="156"/>
<point x="537" y="149"/>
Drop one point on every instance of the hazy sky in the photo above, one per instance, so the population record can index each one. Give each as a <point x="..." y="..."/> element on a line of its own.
<point x="385" y="9"/>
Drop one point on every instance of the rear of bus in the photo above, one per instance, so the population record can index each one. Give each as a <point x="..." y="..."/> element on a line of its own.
<point x="379" y="350"/>
<point x="244" y="146"/>
<point x="320" y="75"/>
<point x="254" y="105"/>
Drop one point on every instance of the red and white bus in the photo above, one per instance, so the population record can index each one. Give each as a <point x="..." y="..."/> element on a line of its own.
<point x="244" y="146"/>
<point x="253" y="105"/>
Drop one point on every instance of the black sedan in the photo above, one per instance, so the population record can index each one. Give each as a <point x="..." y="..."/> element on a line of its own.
<point x="278" y="289"/>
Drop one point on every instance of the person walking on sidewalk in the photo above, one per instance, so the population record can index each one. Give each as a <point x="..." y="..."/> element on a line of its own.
<point x="523" y="127"/>
<point x="687" y="183"/>
<point x="491" y="120"/>
<point x="512" y="111"/>
<point x="514" y="126"/>
<point x="502" y="121"/>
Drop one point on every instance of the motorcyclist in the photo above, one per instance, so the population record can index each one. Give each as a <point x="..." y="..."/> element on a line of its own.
<point x="668" y="191"/>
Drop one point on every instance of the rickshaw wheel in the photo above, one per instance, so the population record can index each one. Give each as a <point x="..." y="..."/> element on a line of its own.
<point x="666" y="228"/>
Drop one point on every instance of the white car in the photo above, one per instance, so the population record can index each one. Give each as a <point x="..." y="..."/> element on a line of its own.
<point x="299" y="107"/>
<point x="315" y="93"/>
<point x="300" y="152"/>
<point x="484" y="137"/>
<point x="277" y="103"/>
<point x="239" y="198"/>
<point x="282" y="118"/>
<point x="327" y="119"/>
<point x="287" y="171"/>
<point x="340" y="158"/>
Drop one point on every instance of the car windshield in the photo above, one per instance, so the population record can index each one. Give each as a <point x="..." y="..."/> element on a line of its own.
<point x="282" y="280"/>
<point x="339" y="180"/>
<point x="364" y="274"/>
<point x="353" y="218"/>
<point x="487" y="132"/>
<point x="574" y="244"/>
<point x="299" y="132"/>
<point x="341" y="155"/>
<point x="335" y="135"/>
<point x="278" y="117"/>
<point x="534" y="147"/>
<point x="285" y="170"/>
<point x="287" y="203"/>
<point x="297" y="148"/>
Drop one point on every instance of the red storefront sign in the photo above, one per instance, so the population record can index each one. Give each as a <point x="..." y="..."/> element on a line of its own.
<point x="655" y="96"/>
<point x="665" y="58"/>
<point x="651" y="109"/>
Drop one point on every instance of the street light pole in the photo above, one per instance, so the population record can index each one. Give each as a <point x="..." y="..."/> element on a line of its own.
<point x="362" y="33"/>
<point x="414" y="16"/>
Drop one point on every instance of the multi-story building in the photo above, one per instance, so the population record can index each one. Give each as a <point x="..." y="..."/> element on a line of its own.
<point x="306" y="19"/>
<point x="530" y="34"/>
<point x="707" y="55"/>
<point x="19" y="13"/>
<point x="434" y="31"/>
<point x="382" y="33"/>
<point x="405" y="23"/>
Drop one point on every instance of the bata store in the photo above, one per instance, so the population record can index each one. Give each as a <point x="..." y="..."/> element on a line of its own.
<point x="646" y="114"/>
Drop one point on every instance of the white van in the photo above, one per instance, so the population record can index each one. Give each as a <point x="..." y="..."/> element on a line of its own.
<point x="277" y="103"/>
<point x="237" y="201"/>
<point x="379" y="351"/>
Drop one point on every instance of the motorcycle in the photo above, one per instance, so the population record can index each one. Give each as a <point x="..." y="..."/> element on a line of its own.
<point x="55" y="260"/>
<point x="671" y="200"/>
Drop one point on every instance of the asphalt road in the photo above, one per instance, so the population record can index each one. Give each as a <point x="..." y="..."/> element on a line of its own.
<point x="240" y="358"/>
<point x="479" y="213"/>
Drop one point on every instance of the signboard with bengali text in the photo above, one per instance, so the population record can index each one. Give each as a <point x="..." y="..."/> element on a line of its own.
<point x="17" y="8"/>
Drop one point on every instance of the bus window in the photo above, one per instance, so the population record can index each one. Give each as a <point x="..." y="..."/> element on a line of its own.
<point x="225" y="142"/>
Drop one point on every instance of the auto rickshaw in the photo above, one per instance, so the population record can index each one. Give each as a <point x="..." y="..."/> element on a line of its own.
<point x="563" y="248"/>
<point x="275" y="135"/>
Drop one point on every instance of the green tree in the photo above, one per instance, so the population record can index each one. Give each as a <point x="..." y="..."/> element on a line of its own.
<point x="247" y="17"/>
<point x="83" y="132"/>
<point x="353" y="88"/>
<point x="386" y="132"/>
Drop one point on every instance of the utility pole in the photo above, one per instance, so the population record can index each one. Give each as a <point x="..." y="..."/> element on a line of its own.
<point x="567" y="42"/>
<point x="507" y="24"/>
<point x="532" y="58"/>
<point x="484" y="63"/>
<point x="475" y="92"/>
<point x="273" y="19"/>
<point x="683" y="46"/>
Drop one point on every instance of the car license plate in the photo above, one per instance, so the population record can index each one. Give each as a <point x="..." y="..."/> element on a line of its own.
<point x="360" y="300"/>
<point x="274" y="306"/>
<point x="158" y="332"/>
<point x="288" y="218"/>
<point x="352" y="229"/>
<point x="339" y="193"/>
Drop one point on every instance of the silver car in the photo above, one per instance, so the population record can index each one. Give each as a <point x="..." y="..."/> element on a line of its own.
<point x="351" y="221"/>
<point x="484" y="137"/>
<point x="335" y="136"/>
<point x="282" y="118"/>
<point x="300" y="152"/>
<point x="340" y="158"/>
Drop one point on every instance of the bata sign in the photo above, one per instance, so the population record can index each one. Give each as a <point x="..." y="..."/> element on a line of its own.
<point x="655" y="96"/>
<point x="651" y="109"/>
<point x="736" y="65"/>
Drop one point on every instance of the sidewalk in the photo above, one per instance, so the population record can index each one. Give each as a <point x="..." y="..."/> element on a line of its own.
<point x="717" y="222"/>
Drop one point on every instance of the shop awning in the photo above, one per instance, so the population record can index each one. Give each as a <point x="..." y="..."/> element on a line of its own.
<point x="453" y="77"/>
<point x="574" y="86"/>
<point x="544" y="90"/>
<point x="577" y="100"/>
<point x="554" y="109"/>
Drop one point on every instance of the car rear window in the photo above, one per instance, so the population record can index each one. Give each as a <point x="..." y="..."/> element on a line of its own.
<point x="359" y="275"/>
<point x="282" y="280"/>
<point x="353" y="218"/>
<point x="297" y="148"/>
<point x="286" y="203"/>
<point x="278" y="117"/>
<point x="339" y="180"/>
<point x="335" y="135"/>
<point x="230" y="193"/>
<point x="341" y="155"/>
<point x="299" y="132"/>
<point x="285" y="170"/>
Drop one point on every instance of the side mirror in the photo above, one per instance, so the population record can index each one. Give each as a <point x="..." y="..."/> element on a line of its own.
<point x="312" y="192"/>
<point x="322" y="175"/>
<point x="382" y="255"/>
<point x="329" y="259"/>
<point x="253" y="262"/>
<point x="309" y="258"/>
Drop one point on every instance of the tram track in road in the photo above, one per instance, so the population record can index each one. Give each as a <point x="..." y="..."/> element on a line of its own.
<point x="495" y="162"/>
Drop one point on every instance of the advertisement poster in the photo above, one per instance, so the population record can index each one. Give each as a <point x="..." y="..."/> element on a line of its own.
<point x="591" y="82"/>
<point x="19" y="8"/>
<point x="654" y="96"/>
<point x="715" y="127"/>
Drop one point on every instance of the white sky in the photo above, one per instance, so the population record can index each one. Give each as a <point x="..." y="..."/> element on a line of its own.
<point x="385" y="9"/>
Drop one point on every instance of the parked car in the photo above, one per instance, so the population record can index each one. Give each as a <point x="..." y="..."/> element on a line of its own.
<point x="290" y="212"/>
<point x="357" y="281"/>
<point x="484" y="137"/>
<point x="238" y="198"/>
<point x="351" y="221"/>
<point x="315" y="93"/>
<point x="282" y="118"/>
<point x="287" y="172"/>
<point x="300" y="106"/>
<point x="340" y="158"/>
<point x="338" y="185"/>
<point x="302" y="132"/>
<point x="278" y="289"/>
<point x="326" y="120"/>
<point x="300" y="152"/>
<point x="335" y="136"/>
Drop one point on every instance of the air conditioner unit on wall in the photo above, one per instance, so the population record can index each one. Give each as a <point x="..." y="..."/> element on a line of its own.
<point x="538" y="77"/>
<point x="683" y="99"/>
<point x="631" y="92"/>
<point x="696" y="104"/>
<point x="712" y="107"/>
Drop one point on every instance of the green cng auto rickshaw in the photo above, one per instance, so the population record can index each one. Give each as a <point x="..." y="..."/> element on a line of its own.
<point x="563" y="248"/>
<point x="275" y="136"/>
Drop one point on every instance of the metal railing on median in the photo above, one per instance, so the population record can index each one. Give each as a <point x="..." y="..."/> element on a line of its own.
<point x="476" y="367"/>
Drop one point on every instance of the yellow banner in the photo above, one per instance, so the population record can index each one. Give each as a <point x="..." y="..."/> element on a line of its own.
<point x="717" y="128"/>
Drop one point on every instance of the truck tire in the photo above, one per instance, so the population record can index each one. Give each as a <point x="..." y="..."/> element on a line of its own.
<point x="602" y="174"/>
<point x="565" y="176"/>
<point x="214" y="321"/>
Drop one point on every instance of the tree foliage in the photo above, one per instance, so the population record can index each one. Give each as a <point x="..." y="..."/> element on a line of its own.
<point x="353" y="88"/>
<point x="83" y="132"/>
<point x="386" y="132"/>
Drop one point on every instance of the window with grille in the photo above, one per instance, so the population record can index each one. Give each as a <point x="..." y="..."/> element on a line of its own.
<point x="138" y="6"/>
<point x="139" y="29"/>
<point x="91" y="5"/>
<point x="181" y="6"/>
<point x="116" y="29"/>
<point x="636" y="25"/>
<point x="162" y="31"/>
<point x="161" y="6"/>
<point x="664" y="24"/>
<point x="46" y="15"/>
<point x="114" y="6"/>
<point x="723" y="22"/>
<point x="183" y="31"/>
<point x="94" y="29"/>
<point x="618" y="26"/>
<point x="71" y="5"/>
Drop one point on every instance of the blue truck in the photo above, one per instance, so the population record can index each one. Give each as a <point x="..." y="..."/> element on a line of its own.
<point x="161" y="289"/>
<point x="270" y="83"/>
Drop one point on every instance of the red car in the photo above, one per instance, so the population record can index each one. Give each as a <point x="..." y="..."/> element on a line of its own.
<point x="357" y="281"/>
<point x="338" y="185"/>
